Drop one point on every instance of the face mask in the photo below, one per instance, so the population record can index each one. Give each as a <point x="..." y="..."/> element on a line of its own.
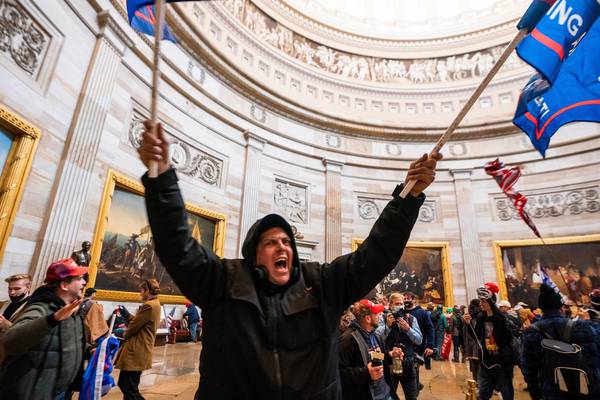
<point x="408" y="304"/>
<point x="14" y="299"/>
<point x="397" y="308"/>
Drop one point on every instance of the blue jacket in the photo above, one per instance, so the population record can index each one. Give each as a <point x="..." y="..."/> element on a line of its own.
<point x="424" y="319"/>
<point x="192" y="314"/>
<point x="531" y="356"/>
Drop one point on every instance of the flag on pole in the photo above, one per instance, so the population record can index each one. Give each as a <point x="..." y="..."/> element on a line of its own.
<point x="574" y="96"/>
<point x="556" y="34"/>
<point x="143" y="19"/>
<point x="506" y="179"/>
<point x="97" y="381"/>
<point x="170" y="318"/>
<point x="536" y="11"/>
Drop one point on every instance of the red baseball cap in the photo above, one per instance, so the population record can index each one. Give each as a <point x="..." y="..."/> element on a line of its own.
<point x="61" y="269"/>
<point x="375" y="308"/>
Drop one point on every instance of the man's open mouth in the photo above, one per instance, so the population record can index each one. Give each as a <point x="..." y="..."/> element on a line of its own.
<point x="281" y="263"/>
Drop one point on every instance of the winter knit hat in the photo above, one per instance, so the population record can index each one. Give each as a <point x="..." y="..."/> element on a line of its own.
<point x="595" y="299"/>
<point x="488" y="292"/>
<point x="549" y="299"/>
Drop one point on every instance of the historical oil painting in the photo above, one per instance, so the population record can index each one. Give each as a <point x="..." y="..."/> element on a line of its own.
<point x="573" y="264"/>
<point x="127" y="256"/>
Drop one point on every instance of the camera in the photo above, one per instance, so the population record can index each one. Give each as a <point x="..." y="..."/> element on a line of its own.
<point x="401" y="313"/>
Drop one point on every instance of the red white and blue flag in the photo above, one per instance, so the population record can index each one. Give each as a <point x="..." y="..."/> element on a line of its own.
<point x="506" y="179"/>
<point x="142" y="17"/>
<point x="97" y="381"/>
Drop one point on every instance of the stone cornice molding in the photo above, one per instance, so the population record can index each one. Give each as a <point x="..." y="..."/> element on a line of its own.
<point x="461" y="174"/>
<point x="113" y="32"/>
<point x="254" y="141"/>
<point x="334" y="166"/>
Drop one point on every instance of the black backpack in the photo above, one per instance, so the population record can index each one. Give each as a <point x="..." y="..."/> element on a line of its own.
<point x="563" y="363"/>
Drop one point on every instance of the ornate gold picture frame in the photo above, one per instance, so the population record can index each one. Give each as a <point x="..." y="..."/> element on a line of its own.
<point x="573" y="264"/>
<point x="123" y="250"/>
<point x="422" y="265"/>
<point x="15" y="169"/>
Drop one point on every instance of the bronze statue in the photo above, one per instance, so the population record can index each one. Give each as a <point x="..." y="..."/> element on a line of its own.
<point x="83" y="257"/>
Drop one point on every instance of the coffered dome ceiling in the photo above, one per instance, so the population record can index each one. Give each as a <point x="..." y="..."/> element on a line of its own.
<point x="408" y="19"/>
<point x="392" y="68"/>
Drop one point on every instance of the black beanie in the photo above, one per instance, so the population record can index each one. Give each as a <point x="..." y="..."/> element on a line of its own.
<point x="549" y="299"/>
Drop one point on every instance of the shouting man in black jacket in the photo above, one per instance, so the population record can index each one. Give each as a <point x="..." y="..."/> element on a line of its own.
<point x="271" y="322"/>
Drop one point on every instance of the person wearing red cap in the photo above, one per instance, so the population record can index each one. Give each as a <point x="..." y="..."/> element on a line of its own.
<point x="44" y="348"/>
<point x="363" y="378"/>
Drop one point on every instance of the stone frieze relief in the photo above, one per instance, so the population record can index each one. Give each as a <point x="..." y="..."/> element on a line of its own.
<point x="290" y="200"/>
<point x="187" y="159"/>
<point x="370" y="208"/>
<point x="21" y="37"/>
<point x="417" y="71"/>
<point x="553" y="203"/>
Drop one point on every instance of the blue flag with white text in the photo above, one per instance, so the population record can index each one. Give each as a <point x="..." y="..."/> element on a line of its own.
<point x="574" y="96"/>
<point x="557" y="34"/>
<point x="536" y="11"/>
<point x="97" y="381"/>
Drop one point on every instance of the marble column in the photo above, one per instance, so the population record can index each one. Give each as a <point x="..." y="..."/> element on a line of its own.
<point x="251" y="189"/>
<point x="333" y="209"/>
<point x="469" y="235"/>
<point x="81" y="146"/>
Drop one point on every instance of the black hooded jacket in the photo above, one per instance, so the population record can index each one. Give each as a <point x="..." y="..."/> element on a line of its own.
<point x="262" y="341"/>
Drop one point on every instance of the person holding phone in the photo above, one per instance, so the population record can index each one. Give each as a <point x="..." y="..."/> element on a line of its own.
<point x="364" y="359"/>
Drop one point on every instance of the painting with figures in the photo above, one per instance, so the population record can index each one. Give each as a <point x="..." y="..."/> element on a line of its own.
<point x="126" y="245"/>
<point x="423" y="269"/>
<point x="574" y="266"/>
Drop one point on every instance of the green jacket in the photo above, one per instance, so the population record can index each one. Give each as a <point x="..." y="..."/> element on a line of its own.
<point x="42" y="356"/>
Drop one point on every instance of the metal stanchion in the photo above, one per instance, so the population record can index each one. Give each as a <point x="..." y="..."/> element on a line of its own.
<point x="471" y="390"/>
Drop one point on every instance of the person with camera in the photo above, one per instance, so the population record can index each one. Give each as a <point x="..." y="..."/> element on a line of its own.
<point x="364" y="360"/>
<point x="405" y="333"/>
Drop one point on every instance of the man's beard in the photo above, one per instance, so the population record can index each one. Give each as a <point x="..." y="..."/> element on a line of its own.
<point x="15" y="299"/>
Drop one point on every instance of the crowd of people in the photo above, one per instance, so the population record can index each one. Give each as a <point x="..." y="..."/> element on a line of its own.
<point x="272" y="326"/>
<point x="489" y="334"/>
<point x="48" y="335"/>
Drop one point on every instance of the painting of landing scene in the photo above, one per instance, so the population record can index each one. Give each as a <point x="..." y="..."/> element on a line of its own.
<point x="127" y="257"/>
<point x="573" y="266"/>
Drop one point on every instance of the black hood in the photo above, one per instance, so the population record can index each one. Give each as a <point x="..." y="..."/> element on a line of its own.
<point x="44" y="294"/>
<point x="257" y="229"/>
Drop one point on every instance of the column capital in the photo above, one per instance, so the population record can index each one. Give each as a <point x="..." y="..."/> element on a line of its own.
<point x="461" y="174"/>
<point x="112" y="31"/>
<point x="254" y="141"/>
<point x="333" y="165"/>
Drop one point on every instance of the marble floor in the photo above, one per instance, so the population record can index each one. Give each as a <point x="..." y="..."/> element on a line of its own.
<point x="174" y="375"/>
